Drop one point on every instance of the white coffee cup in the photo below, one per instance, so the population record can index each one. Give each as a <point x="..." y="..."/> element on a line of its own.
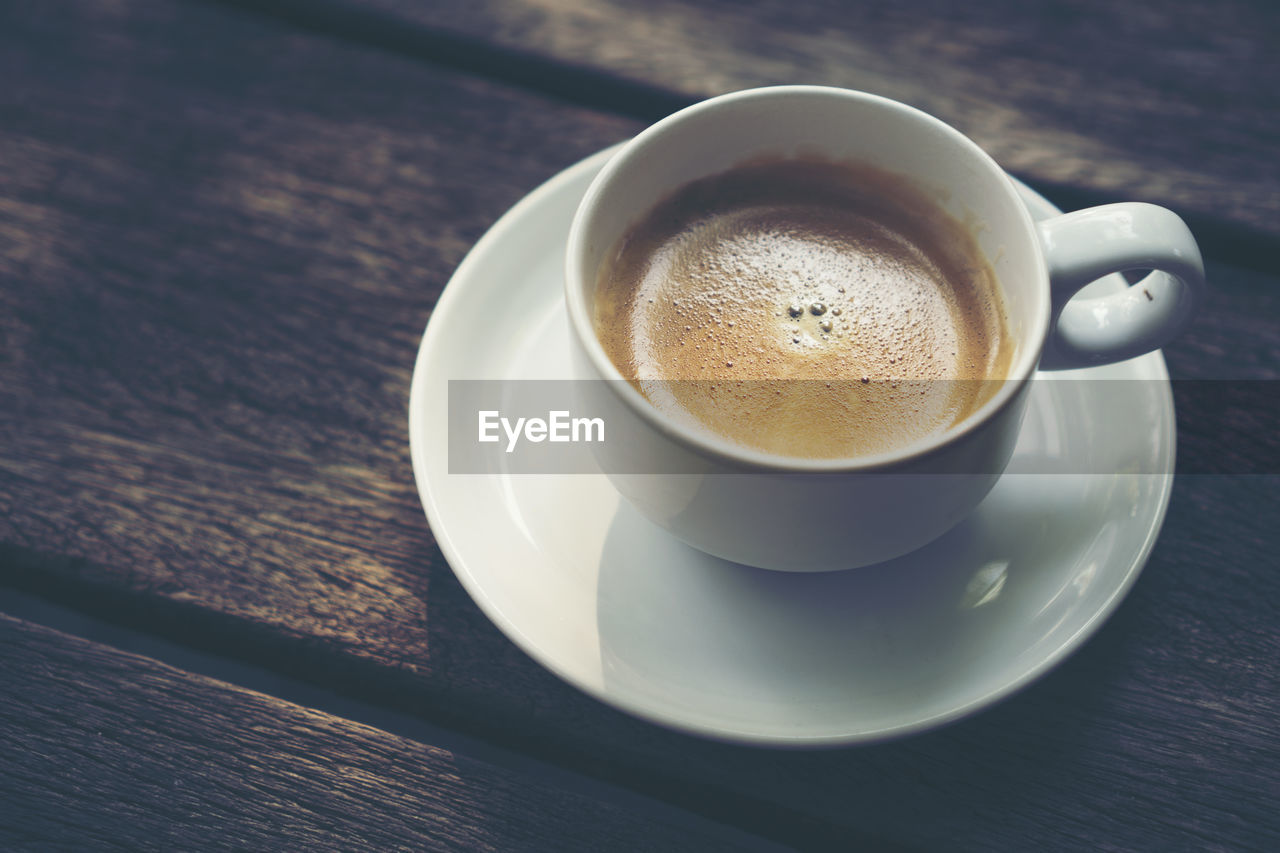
<point x="801" y="514"/>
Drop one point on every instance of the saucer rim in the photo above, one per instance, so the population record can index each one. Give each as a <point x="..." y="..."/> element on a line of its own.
<point x="1152" y="363"/>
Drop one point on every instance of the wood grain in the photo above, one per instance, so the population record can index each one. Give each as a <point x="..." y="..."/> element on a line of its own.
<point x="1169" y="102"/>
<point x="105" y="749"/>
<point x="221" y="250"/>
<point x="220" y="240"/>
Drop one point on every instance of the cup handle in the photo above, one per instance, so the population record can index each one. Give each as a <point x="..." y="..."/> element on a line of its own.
<point x="1088" y="244"/>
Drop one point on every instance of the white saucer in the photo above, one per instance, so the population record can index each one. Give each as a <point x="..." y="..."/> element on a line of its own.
<point x="614" y="606"/>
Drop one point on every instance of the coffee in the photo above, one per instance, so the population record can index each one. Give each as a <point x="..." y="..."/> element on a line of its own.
<point x="805" y="308"/>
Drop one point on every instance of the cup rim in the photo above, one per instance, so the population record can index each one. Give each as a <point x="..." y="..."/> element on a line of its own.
<point x="739" y="456"/>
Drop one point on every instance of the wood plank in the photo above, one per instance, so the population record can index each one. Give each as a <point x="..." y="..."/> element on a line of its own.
<point x="1171" y="103"/>
<point x="105" y="749"/>
<point x="221" y="241"/>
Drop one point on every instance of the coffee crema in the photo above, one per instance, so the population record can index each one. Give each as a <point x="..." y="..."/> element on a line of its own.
<point x="805" y="308"/>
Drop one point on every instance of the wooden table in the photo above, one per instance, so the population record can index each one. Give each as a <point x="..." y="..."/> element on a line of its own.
<point x="223" y="227"/>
